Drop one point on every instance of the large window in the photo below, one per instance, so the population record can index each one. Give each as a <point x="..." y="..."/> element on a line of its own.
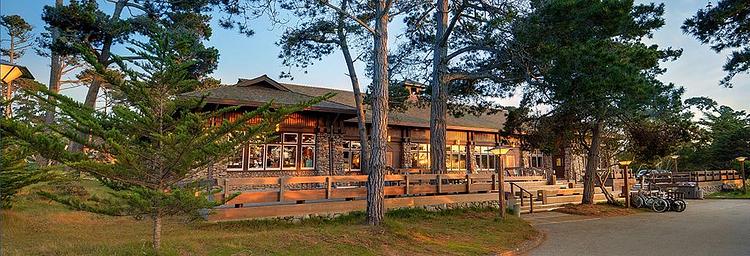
<point x="235" y="161"/>
<point x="455" y="157"/>
<point x="255" y="153"/>
<point x="420" y="155"/>
<point x="352" y="156"/>
<point x="536" y="161"/>
<point x="289" y="151"/>
<point x="308" y="156"/>
<point x="484" y="159"/>
<point x="273" y="157"/>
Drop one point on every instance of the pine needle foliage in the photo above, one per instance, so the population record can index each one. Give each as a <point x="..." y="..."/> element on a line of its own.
<point x="148" y="147"/>
<point x="18" y="169"/>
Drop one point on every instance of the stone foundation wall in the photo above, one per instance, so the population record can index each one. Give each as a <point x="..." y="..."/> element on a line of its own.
<point x="406" y="161"/>
<point x="431" y="208"/>
<point x="323" y="155"/>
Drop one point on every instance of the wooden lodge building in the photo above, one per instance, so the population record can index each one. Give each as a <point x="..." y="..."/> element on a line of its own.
<point x="324" y="140"/>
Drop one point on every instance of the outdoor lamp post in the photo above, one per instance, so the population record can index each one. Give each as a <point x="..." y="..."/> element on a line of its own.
<point x="8" y="73"/>
<point x="675" y="166"/>
<point x="741" y="159"/>
<point x="499" y="152"/>
<point x="626" y="190"/>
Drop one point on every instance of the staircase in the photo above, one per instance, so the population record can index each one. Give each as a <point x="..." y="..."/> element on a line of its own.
<point x="549" y="197"/>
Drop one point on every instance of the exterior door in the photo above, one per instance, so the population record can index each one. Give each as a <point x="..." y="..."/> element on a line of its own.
<point x="558" y="164"/>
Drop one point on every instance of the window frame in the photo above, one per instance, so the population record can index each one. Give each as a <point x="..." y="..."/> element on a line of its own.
<point x="283" y="156"/>
<point x="302" y="163"/>
<point x="242" y="150"/>
<point x="267" y="156"/>
<point x="262" y="158"/>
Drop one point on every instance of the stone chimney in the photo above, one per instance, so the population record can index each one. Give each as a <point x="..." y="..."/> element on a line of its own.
<point x="414" y="88"/>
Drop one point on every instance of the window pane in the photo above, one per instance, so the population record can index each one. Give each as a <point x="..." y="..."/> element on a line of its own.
<point x="255" y="156"/>
<point x="492" y="162"/>
<point x="347" y="161"/>
<point x="235" y="161"/>
<point x="355" y="160"/>
<point x="308" y="156"/>
<point x="424" y="160"/>
<point x="478" y="162"/>
<point x="461" y="161"/>
<point x="308" y="138"/>
<point x="273" y="157"/>
<point x="290" y="157"/>
<point x="290" y="138"/>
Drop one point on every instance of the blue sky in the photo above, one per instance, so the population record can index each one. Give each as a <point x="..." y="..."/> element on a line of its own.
<point x="698" y="70"/>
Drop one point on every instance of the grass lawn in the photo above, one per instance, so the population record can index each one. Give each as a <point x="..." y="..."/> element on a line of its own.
<point x="734" y="194"/>
<point x="39" y="227"/>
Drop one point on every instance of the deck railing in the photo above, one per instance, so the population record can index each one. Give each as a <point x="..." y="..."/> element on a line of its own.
<point x="522" y="192"/>
<point x="300" y="189"/>
<point x="697" y="176"/>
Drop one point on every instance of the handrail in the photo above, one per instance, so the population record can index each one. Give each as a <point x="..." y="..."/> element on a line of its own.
<point x="523" y="190"/>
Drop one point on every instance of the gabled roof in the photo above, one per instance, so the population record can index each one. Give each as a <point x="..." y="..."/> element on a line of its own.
<point x="262" y="89"/>
<point x="263" y="80"/>
<point x="414" y="116"/>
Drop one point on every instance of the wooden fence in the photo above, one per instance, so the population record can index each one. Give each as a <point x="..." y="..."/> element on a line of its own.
<point x="310" y="188"/>
<point x="699" y="176"/>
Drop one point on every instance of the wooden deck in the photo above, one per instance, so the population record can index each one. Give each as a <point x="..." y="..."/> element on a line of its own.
<point x="268" y="197"/>
<point x="314" y="188"/>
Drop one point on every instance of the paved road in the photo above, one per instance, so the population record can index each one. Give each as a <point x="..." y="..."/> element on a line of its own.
<point x="707" y="227"/>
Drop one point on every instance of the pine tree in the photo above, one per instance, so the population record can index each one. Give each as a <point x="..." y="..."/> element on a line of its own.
<point x="588" y="65"/>
<point x="725" y="26"/>
<point x="148" y="147"/>
<point x="19" y="39"/>
<point x="18" y="168"/>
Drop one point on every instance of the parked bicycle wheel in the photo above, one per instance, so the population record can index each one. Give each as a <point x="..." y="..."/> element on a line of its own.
<point x="637" y="201"/>
<point x="679" y="205"/>
<point x="649" y="201"/>
<point x="660" y="205"/>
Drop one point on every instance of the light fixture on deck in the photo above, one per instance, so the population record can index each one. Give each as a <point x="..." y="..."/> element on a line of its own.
<point x="741" y="159"/>
<point x="500" y="151"/>
<point x="9" y="72"/>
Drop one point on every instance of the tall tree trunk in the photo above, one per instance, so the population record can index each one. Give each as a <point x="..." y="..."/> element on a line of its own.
<point x="438" y="101"/>
<point x="9" y="86"/>
<point x="55" y="72"/>
<point x="592" y="163"/>
<point x="156" y="232"/>
<point x="361" y="122"/>
<point x="376" y="176"/>
<point x="103" y="59"/>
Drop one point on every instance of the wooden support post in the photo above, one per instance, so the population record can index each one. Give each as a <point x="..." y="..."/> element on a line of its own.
<point x="543" y="194"/>
<point x="494" y="182"/>
<point x="282" y="187"/>
<point x="226" y="190"/>
<point x="439" y="184"/>
<point x="328" y="187"/>
<point x="407" y="180"/>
